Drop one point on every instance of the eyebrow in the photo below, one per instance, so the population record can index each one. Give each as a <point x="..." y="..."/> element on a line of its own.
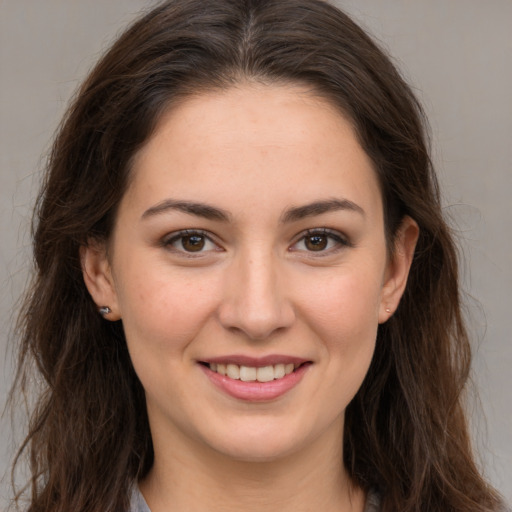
<point x="319" y="207"/>
<point x="199" y="209"/>
<point x="292" y="214"/>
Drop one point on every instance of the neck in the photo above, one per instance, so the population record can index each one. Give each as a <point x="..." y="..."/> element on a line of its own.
<point x="195" y="480"/>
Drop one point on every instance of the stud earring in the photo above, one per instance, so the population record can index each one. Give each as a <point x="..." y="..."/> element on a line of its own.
<point x="104" y="310"/>
<point x="388" y="310"/>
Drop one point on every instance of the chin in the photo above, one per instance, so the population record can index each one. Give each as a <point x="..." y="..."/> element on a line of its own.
<point x="262" y="442"/>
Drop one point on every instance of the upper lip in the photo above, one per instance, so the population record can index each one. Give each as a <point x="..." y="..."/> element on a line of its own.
<point x="256" y="362"/>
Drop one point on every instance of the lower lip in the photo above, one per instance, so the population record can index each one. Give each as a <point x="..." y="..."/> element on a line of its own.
<point x="256" y="391"/>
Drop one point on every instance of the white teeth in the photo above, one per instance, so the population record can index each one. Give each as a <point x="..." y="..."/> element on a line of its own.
<point x="247" y="373"/>
<point x="233" y="371"/>
<point x="279" y="371"/>
<point x="251" y="374"/>
<point x="265" y="374"/>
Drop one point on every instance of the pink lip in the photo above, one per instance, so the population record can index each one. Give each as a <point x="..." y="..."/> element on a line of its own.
<point x="255" y="391"/>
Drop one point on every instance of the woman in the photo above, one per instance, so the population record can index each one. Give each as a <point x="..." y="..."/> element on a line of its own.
<point x="246" y="295"/>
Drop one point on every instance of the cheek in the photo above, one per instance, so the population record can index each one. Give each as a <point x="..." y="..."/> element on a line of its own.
<point x="162" y="310"/>
<point x="344" y="307"/>
<point x="162" y="314"/>
<point x="343" y="314"/>
<point x="345" y="321"/>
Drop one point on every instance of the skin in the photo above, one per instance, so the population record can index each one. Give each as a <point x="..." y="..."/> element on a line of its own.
<point x="257" y="154"/>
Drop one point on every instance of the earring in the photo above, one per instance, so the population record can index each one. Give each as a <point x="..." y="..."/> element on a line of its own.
<point x="104" y="310"/>
<point x="388" y="310"/>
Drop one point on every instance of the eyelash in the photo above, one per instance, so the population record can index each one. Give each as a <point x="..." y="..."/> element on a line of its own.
<point x="173" y="238"/>
<point x="339" y="240"/>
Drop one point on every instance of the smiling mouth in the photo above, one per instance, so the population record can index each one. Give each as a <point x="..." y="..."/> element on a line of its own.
<point x="254" y="374"/>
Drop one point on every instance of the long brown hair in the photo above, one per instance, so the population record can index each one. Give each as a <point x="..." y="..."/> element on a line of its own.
<point x="406" y="434"/>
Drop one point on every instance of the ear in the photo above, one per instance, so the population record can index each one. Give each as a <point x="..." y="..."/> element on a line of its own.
<point x="398" y="267"/>
<point x="97" y="274"/>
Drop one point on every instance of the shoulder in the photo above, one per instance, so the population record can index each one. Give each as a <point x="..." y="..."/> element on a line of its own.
<point x="372" y="502"/>
<point x="137" y="501"/>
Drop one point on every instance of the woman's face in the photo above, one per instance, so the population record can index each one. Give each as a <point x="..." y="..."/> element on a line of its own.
<point x="250" y="241"/>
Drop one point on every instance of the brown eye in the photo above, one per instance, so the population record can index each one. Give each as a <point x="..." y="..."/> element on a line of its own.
<point x="193" y="243"/>
<point x="322" y="241"/>
<point x="316" y="242"/>
<point x="190" y="243"/>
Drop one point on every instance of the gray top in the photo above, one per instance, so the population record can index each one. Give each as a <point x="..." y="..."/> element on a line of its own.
<point x="138" y="503"/>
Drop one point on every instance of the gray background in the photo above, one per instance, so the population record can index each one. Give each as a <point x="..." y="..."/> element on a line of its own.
<point x="456" y="53"/>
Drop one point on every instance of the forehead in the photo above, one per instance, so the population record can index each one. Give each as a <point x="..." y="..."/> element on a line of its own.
<point x="269" y="115"/>
<point x="254" y="143"/>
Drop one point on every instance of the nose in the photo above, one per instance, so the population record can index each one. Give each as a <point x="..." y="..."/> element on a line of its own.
<point x="255" y="301"/>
